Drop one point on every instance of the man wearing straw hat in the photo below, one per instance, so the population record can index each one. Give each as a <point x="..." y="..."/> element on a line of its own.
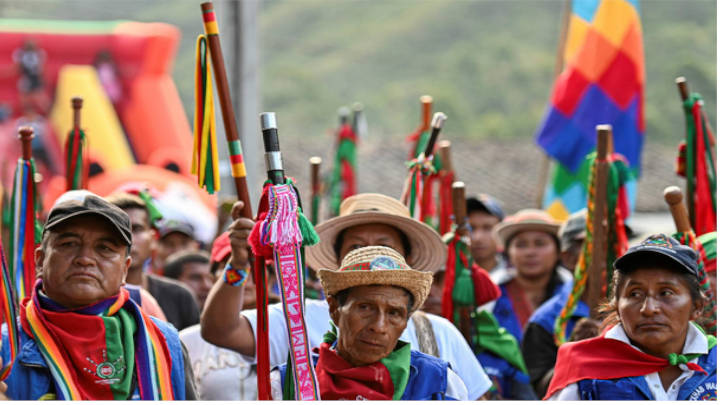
<point x="371" y="297"/>
<point x="364" y="220"/>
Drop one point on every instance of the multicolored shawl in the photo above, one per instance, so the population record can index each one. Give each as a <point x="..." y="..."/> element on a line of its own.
<point x="205" y="154"/>
<point x="8" y="303"/>
<point x="599" y="358"/>
<point x="280" y="232"/>
<point x="339" y="380"/>
<point x="76" y="160"/>
<point x="96" y="360"/>
<point x="708" y="321"/>
<point x="699" y="168"/>
<point x="617" y="242"/>
<point x="343" y="179"/>
<point x="25" y="228"/>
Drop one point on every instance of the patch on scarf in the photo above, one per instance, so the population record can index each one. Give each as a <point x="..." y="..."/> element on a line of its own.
<point x="108" y="372"/>
<point x="705" y="392"/>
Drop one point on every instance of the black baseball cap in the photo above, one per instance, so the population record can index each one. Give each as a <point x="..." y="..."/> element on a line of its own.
<point x="484" y="202"/>
<point x="82" y="202"/>
<point x="662" y="247"/>
<point x="168" y="226"/>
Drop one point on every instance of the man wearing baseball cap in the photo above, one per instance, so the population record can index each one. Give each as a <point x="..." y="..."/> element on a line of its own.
<point x="484" y="213"/>
<point x="364" y="220"/>
<point x="82" y="338"/>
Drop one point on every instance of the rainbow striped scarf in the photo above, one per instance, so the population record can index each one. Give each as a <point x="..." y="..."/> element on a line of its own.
<point x="91" y="361"/>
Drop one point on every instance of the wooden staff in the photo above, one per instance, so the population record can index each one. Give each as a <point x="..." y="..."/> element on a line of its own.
<point x="357" y="116"/>
<point x="674" y="199"/>
<point x="684" y="94"/>
<point x="425" y="118"/>
<point x="26" y="135"/>
<point x="462" y="230"/>
<point x="77" y="103"/>
<point x="213" y="38"/>
<point x="315" y="163"/>
<point x="598" y="261"/>
<point x="444" y="151"/>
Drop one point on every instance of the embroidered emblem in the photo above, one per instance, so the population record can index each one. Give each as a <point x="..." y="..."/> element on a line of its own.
<point x="383" y="263"/>
<point x="658" y="240"/>
<point x="108" y="372"/>
<point x="705" y="392"/>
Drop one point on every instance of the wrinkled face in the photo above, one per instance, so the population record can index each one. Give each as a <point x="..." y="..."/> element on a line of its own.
<point x="359" y="236"/>
<point x="82" y="261"/>
<point x="655" y="306"/>
<point x="197" y="276"/>
<point x="143" y="237"/>
<point x="483" y="245"/>
<point x="370" y="322"/>
<point x="174" y="242"/>
<point x="533" y="253"/>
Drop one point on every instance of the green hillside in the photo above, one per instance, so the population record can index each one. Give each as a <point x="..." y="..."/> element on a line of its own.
<point x="488" y="64"/>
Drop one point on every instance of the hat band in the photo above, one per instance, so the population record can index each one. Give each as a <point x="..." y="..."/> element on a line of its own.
<point x="378" y="263"/>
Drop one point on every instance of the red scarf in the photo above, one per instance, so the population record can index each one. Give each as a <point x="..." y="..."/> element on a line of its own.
<point x="339" y="380"/>
<point x="601" y="358"/>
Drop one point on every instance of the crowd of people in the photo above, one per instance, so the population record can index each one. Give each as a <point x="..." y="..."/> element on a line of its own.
<point x="128" y="305"/>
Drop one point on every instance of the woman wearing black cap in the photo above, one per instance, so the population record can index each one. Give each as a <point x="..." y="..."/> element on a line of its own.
<point x="650" y="348"/>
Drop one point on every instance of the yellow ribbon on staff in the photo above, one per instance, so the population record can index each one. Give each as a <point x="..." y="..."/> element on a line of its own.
<point x="204" y="122"/>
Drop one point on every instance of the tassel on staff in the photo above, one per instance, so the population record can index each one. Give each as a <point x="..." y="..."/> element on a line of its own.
<point x="8" y="305"/>
<point x="76" y="153"/>
<point x="205" y="154"/>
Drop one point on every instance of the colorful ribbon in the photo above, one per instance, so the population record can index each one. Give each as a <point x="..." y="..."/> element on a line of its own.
<point x="9" y="311"/>
<point x="343" y="179"/>
<point x="25" y="229"/>
<point x="205" y="154"/>
<point x="76" y="165"/>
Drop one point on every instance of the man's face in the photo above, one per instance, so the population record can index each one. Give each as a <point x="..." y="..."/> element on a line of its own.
<point x="570" y="256"/>
<point x="197" y="276"/>
<point x="174" y="242"/>
<point x="82" y="261"/>
<point x="359" y="236"/>
<point x="143" y="238"/>
<point x="655" y="306"/>
<point x="370" y="322"/>
<point x="482" y="244"/>
<point x="433" y="303"/>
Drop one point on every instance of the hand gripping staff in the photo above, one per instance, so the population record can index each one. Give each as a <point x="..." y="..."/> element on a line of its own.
<point x="419" y="169"/>
<point x="280" y="232"/>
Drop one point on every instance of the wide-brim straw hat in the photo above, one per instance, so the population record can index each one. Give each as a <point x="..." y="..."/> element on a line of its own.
<point x="377" y="265"/>
<point x="525" y="220"/>
<point x="427" y="250"/>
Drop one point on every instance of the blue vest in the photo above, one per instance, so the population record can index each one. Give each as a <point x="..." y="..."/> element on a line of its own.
<point x="698" y="387"/>
<point x="507" y="378"/>
<point x="548" y="312"/>
<point x="427" y="381"/>
<point x="505" y="313"/>
<point x="30" y="377"/>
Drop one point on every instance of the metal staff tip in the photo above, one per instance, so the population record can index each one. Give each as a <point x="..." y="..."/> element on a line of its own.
<point x="438" y="120"/>
<point x="268" y="121"/>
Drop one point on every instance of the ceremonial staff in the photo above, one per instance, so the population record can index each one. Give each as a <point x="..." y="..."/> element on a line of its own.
<point x="76" y="166"/>
<point x="418" y="137"/>
<point x="463" y="294"/>
<point x="685" y="234"/>
<point x="315" y="191"/>
<point x="447" y="178"/>
<point x="280" y="232"/>
<point x="226" y="107"/>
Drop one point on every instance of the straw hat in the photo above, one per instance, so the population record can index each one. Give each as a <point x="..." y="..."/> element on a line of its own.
<point x="427" y="250"/>
<point x="377" y="265"/>
<point x="525" y="220"/>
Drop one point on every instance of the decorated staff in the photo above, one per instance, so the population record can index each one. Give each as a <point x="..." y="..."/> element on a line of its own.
<point x="315" y="189"/>
<point x="420" y="136"/>
<point x="343" y="179"/>
<point x="25" y="228"/>
<point x="696" y="162"/>
<point x="446" y="175"/>
<point x="9" y="306"/>
<point x="686" y="235"/>
<point x="280" y="232"/>
<point x="76" y="161"/>
<point x="204" y="128"/>
<point x="605" y="233"/>
<point x="419" y="169"/>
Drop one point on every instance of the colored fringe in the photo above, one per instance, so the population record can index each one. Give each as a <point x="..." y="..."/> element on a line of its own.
<point x="25" y="228"/>
<point x="205" y="153"/>
<point x="343" y="178"/>
<point x="708" y="321"/>
<point x="76" y="164"/>
<point x="9" y="311"/>
<point x="699" y="168"/>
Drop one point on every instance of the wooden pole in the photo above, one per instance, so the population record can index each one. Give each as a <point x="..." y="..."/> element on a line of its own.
<point x="226" y="107"/>
<point x="598" y="261"/>
<point x="77" y="103"/>
<point x="444" y="151"/>
<point x="460" y="210"/>
<point x="674" y="199"/>
<point x="559" y="64"/>
<point x="26" y="134"/>
<point x="425" y="118"/>
<point x="315" y="163"/>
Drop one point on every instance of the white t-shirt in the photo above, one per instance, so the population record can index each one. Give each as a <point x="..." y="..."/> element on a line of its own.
<point x="455" y="386"/>
<point x="220" y="374"/>
<point x="451" y="344"/>
<point x="695" y="342"/>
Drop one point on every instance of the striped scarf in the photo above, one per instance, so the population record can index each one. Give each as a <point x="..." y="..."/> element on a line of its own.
<point x="99" y="359"/>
